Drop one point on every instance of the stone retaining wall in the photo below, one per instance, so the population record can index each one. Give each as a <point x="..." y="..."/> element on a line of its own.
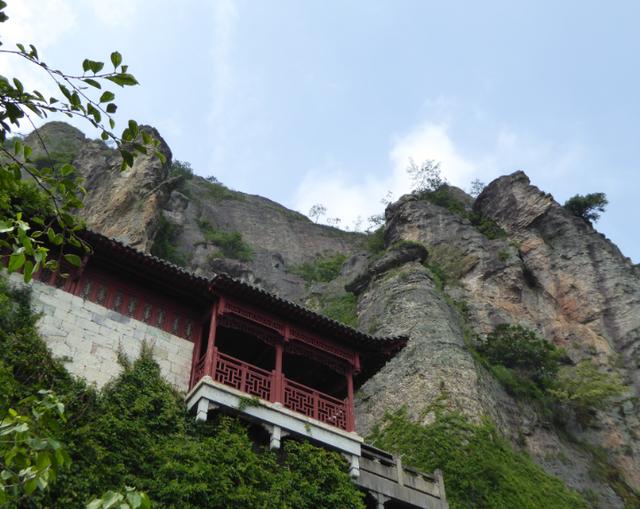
<point x="89" y="336"/>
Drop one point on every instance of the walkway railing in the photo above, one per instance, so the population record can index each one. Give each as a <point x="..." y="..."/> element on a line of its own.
<point x="259" y="382"/>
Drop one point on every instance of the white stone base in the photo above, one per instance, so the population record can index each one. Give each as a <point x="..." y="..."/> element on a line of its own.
<point x="278" y="420"/>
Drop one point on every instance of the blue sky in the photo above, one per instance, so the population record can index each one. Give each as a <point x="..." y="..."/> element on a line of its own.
<point x="326" y="101"/>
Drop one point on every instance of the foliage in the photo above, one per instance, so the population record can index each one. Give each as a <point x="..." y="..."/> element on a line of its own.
<point x="136" y="432"/>
<point x="29" y="455"/>
<point x="231" y="244"/>
<point x="443" y="197"/>
<point x="29" y="229"/>
<point x="321" y="269"/>
<point x="476" y="187"/>
<point x="217" y="192"/>
<point x="317" y="211"/>
<point x="130" y="499"/>
<point x="425" y="177"/>
<point x="164" y="243"/>
<point x="181" y="169"/>
<point x="585" y="388"/>
<point x="375" y="240"/>
<point x="481" y="469"/>
<point x="588" y="207"/>
<point x="527" y="355"/>
<point x="342" y="308"/>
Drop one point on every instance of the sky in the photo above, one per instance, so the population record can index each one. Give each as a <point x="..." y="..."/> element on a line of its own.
<point x="326" y="101"/>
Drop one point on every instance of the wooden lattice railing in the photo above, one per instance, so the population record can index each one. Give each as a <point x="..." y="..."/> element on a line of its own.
<point x="261" y="383"/>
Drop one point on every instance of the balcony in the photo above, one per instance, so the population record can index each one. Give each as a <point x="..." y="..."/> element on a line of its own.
<point x="269" y="386"/>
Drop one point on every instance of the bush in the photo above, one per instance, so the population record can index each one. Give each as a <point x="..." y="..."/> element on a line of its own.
<point x="588" y="207"/>
<point x="181" y="169"/>
<point x="164" y="243"/>
<point x="445" y="199"/>
<point x="480" y="468"/>
<point x="585" y="388"/>
<point x="231" y="244"/>
<point x="322" y="269"/>
<point x="523" y="351"/>
<point x="375" y="241"/>
<point x="217" y="192"/>
<point x="342" y="308"/>
<point x="137" y="432"/>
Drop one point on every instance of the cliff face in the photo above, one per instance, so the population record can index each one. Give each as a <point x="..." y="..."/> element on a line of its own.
<point x="549" y="271"/>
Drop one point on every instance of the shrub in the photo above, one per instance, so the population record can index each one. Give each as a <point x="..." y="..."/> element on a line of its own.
<point x="181" y="169"/>
<point x="523" y="351"/>
<point x="585" y="388"/>
<point x="341" y="308"/>
<point x="443" y="197"/>
<point x="322" y="269"/>
<point x="480" y="468"/>
<point x="588" y="207"/>
<point x="231" y="244"/>
<point x="217" y="192"/>
<point x="137" y="432"/>
<point x="375" y="241"/>
<point x="164" y="243"/>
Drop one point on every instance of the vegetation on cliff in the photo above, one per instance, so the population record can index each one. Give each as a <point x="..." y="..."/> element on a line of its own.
<point x="136" y="432"/>
<point x="480" y="468"/>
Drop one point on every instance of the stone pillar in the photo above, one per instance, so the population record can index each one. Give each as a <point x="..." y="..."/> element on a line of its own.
<point x="203" y="410"/>
<point x="354" y="467"/>
<point x="380" y="500"/>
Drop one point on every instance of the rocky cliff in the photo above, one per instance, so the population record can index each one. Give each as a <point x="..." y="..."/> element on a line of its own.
<point x="444" y="279"/>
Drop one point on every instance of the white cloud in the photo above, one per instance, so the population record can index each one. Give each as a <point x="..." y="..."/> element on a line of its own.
<point x="37" y="22"/>
<point x="349" y="196"/>
<point x="432" y="141"/>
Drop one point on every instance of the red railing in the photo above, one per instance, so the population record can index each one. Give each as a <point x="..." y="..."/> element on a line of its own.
<point x="242" y="376"/>
<point x="262" y="383"/>
<point x="314" y="404"/>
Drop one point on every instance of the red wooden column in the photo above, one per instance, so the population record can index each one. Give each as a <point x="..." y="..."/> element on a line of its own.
<point x="210" y="360"/>
<point x="351" y="422"/>
<point x="277" y="386"/>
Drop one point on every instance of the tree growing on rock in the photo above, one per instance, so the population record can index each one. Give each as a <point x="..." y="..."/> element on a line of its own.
<point x="425" y="177"/>
<point x="588" y="207"/>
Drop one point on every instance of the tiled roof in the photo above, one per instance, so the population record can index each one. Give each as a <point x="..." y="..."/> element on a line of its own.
<point x="380" y="349"/>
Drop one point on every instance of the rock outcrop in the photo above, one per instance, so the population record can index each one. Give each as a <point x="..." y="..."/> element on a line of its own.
<point x="441" y="281"/>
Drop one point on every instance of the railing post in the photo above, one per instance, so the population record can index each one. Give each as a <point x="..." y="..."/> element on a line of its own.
<point x="243" y="377"/>
<point x="315" y="405"/>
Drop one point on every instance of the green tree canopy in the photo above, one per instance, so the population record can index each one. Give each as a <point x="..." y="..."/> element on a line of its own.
<point x="588" y="207"/>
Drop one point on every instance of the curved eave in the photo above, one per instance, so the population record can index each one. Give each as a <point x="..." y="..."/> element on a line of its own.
<point x="375" y="351"/>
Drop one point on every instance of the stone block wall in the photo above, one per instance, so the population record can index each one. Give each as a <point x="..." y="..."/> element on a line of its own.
<point x="89" y="336"/>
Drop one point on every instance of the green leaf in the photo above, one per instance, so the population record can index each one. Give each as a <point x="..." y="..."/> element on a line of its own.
<point x="92" y="65"/>
<point x="116" y="59"/>
<point x="111" y="108"/>
<point x="104" y="135"/>
<point x="123" y="79"/>
<point x="16" y="261"/>
<point x="107" y="97"/>
<point x="6" y="227"/>
<point x="73" y="259"/>
<point x="28" y="270"/>
<point x="30" y="486"/>
<point x="92" y="82"/>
